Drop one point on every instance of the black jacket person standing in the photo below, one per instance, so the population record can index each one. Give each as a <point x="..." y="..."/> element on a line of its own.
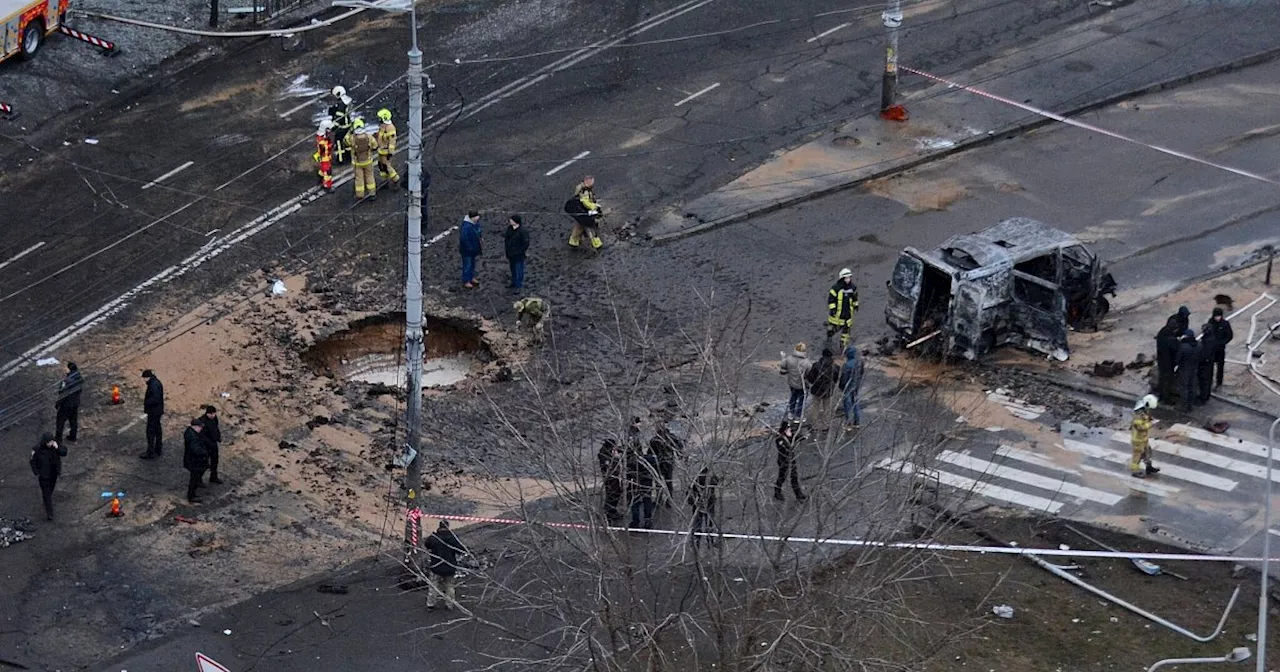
<point x="1220" y="327"/>
<point x="213" y="439"/>
<point x="786" y="445"/>
<point x="46" y="464"/>
<point x="153" y="406"/>
<point x="1166" y="354"/>
<point x="443" y="549"/>
<point x="1188" y="363"/>
<point x="68" y="403"/>
<point x="195" y="457"/>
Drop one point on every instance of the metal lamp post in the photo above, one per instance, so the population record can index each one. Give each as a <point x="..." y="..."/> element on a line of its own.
<point x="415" y="332"/>
<point x="1237" y="655"/>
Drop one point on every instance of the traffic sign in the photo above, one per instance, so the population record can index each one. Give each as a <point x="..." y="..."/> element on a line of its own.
<point x="206" y="664"/>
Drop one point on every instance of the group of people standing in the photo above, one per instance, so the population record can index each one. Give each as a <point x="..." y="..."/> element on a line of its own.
<point x="818" y="380"/>
<point x="1190" y="366"/>
<point x="641" y="476"/>
<point x="344" y="137"/>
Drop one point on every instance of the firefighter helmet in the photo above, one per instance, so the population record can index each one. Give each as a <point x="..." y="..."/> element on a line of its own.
<point x="326" y="125"/>
<point x="1148" y="402"/>
<point x="845" y="273"/>
<point x="358" y="123"/>
<point x="339" y="91"/>
<point x="384" y="114"/>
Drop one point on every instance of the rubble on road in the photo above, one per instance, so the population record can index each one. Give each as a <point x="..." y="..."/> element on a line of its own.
<point x="13" y="530"/>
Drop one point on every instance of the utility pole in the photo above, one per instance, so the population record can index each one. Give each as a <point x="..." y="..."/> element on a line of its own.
<point x="889" y="108"/>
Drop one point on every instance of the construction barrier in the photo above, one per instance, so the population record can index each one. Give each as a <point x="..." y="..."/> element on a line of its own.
<point x="6" y="108"/>
<point x="108" y="47"/>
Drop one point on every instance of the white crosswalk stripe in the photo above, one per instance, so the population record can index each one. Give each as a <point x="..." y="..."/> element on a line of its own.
<point x="1092" y="470"/>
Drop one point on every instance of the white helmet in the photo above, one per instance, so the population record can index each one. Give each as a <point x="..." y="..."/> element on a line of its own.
<point x="346" y="100"/>
<point x="845" y="273"/>
<point x="1148" y="402"/>
<point x="339" y="91"/>
<point x="325" y="126"/>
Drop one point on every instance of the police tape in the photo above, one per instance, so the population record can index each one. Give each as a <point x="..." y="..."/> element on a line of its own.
<point x="1089" y="127"/>
<point x="863" y="543"/>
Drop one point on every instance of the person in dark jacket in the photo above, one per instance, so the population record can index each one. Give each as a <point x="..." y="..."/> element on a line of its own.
<point x="469" y="234"/>
<point x="821" y="379"/>
<point x="1220" y="326"/>
<point x="46" y="464"/>
<point x="1187" y="362"/>
<point x="642" y="471"/>
<point x="788" y="437"/>
<point x="1166" y="354"/>
<point x="195" y="457"/>
<point x="1204" y="368"/>
<point x="212" y="434"/>
<point x="153" y="406"/>
<point x="667" y="448"/>
<point x="516" y="246"/>
<point x="1183" y="316"/>
<point x="703" y="496"/>
<point x="68" y="403"/>
<point x="851" y="386"/>
<point x="611" y="474"/>
<point x="443" y="549"/>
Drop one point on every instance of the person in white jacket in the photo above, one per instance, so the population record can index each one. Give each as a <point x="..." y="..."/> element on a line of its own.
<point x="794" y="366"/>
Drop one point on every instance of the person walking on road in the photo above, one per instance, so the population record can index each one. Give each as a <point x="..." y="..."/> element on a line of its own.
<point x="1220" y="327"/>
<point x="516" y="246"/>
<point x="386" y="138"/>
<point x="67" y="405"/>
<point x="703" y="498"/>
<point x="195" y="457"/>
<point x="788" y="437"/>
<point x="153" y="407"/>
<point x="1188" y="362"/>
<point x="534" y="312"/>
<point x="212" y="434"/>
<point x="851" y="387"/>
<point x="611" y="464"/>
<point x="667" y="449"/>
<point x="46" y="464"/>
<point x="795" y="366"/>
<point x="469" y="247"/>
<point x="1166" y="356"/>
<point x="842" y="303"/>
<point x="443" y="550"/>
<point x="585" y="211"/>
<point x="364" y="149"/>
<point x="642" y="469"/>
<point x="1138" y="436"/>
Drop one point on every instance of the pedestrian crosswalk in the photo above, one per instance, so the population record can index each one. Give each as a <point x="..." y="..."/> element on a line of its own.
<point x="1090" y="469"/>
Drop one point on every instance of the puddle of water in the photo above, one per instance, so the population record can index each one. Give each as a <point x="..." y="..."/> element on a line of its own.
<point x="372" y="351"/>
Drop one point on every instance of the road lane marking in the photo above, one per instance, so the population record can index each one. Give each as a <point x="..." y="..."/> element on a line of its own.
<point x="1166" y="470"/>
<point x="1125" y="479"/>
<point x="696" y="94"/>
<point x="1032" y="479"/>
<point x="566" y="164"/>
<point x="1229" y="442"/>
<point x="823" y="34"/>
<point x="23" y="253"/>
<point x="991" y="491"/>
<point x="168" y="175"/>
<point x="133" y="422"/>
<point x="313" y="101"/>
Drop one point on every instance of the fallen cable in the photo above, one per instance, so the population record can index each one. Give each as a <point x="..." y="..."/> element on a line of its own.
<point x="284" y="32"/>
<point x="867" y="543"/>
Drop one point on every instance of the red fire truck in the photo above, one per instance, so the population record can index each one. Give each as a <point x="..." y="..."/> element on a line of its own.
<point x="25" y="23"/>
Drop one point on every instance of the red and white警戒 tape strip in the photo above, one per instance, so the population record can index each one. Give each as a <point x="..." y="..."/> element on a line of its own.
<point x="868" y="543"/>
<point x="95" y="41"/>
<point x="1090" y="127"/>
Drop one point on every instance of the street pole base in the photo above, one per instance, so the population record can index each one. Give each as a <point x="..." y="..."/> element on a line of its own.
<point x="894" y="113"/>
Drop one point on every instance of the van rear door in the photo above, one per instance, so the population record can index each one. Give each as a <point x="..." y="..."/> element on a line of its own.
<point x="904" y="293"/>
<point x="1039" y="312"/>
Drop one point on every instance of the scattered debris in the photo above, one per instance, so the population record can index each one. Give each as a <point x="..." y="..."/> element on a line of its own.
<point x="47" y="361"/>
<point x="1002" y="610"/>
<point x="1017" y="407"/>
<point x="226" y="632"/>
<point x="184" y="519"/>
<point x="14" y="530"/>
<point x="90" y="141"/>
<point x="332" y="589"/>
<point x="1140" y="362"/>
<point x="1108" y="368"/>
<point x="1218" y="427"/>
<point x="278" y="288"/>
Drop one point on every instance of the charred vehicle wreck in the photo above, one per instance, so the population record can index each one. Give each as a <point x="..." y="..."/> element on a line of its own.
<point x="1020" y="283"/>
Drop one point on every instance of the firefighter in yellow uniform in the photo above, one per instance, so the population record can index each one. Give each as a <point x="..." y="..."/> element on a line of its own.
<point x="323" y="155"/>
<point x="387" y="147"/>
<point x="842" y="303"/>
<point x="1139" y="437"/>
<point x="364" y="148"/>
<point x="585" y="213"/>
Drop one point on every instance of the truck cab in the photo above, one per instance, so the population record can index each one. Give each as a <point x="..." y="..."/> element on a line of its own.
<point x="25" y="23"/>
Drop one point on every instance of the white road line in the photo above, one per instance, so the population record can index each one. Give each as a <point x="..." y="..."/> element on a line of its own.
<point x="1220" y="461"/>
<point x="168" y="175"/>
<point x="1033" y="479"/>
<point x="1166" y="470"/>
<point x="1248" y="447"/>
<point x="988" y="490"/>
<point x="1017" y="407"/>
<point x="219" y="245"/>
<point x="23" y="253"/>
<point x="1125" y="480"/>
<point x="566" y="164"/>
<point x="133" y="422"/>
<point x="695" y="94"/>
<point x="825" y="33"/>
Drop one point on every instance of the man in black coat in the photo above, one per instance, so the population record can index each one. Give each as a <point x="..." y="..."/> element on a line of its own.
<point x="153" y="406"/>
<point x="46" y="464"/>
<point x="1183" y="316"/>
<point x="788" y="437"/>
<point x="642" y="471"/>
<point x="1166" y="353"/>
<point x="668" y="448"/>
<point x="195" y="457"/>
<point x="1204" y="367"/>
<point x="1188" y="363"/>
<point x="703" y="496"/>
<point x="213" y="439"/>
<point x="611" y="467"/>
<point x="516" y="246"/>
<point x="1222" y="335"/>
<point x="68" y="403"/>
<point x="443" y="549"/>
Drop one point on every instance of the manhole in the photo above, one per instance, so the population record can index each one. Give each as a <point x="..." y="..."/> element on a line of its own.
<point x="372" y="351"/>
<point x="846" y="141"/>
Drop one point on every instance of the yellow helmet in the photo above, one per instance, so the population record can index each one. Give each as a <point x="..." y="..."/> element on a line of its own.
<point x="358" y="123"/>
<point x="384" y="114"/>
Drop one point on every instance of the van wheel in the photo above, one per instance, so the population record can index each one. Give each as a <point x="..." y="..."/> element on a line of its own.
<point x="32" y="38"/>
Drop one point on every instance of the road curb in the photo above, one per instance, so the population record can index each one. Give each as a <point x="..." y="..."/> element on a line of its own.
<point x="965" y="145"/>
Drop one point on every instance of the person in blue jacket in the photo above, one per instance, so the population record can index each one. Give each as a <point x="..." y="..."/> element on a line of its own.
<point x="469" y="234"/>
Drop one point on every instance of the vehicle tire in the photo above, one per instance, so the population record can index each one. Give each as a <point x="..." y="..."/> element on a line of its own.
<point x="32" y="38"/>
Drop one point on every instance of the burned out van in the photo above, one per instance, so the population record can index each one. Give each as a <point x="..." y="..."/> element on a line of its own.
<point x="1020" y="282"/>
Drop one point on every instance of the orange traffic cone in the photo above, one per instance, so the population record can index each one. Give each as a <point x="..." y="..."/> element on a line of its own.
<point x="115" y="394"/>
<point x="115" y="507"/>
